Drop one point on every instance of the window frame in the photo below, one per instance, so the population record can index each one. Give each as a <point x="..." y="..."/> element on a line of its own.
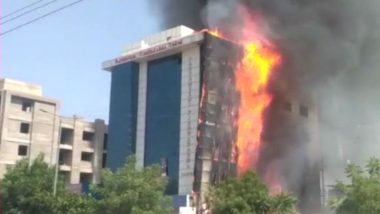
<point x="23" y="149"/>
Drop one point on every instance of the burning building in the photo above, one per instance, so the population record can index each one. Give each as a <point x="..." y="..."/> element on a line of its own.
<point x="200" y="104"/>
<point x="326" y="81"/>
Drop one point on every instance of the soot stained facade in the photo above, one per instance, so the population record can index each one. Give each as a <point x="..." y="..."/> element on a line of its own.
<point x="155" y="93"/>
<point x="158" y="111"/>
<point x="173" y="103"/>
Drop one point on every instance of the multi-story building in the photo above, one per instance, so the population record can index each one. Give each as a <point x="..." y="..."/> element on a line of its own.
<point x="30" y="125"/>
<point x="154" y="105"/>
<point x="172" y="95"/>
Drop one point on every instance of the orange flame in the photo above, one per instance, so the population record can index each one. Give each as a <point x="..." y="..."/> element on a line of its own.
<point x="215" y="32"/>
<point x="252" y="77"/>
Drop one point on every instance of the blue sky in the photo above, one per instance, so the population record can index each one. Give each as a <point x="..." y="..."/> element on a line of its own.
<point x="63" y="52"/>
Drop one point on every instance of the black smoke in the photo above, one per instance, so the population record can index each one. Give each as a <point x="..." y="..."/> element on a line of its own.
<point x="179" y="12"/>
<point x="331" y="52"/>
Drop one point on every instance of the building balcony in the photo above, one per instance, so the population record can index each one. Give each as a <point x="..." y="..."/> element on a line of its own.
<point x="86" y="166"/>
<point x="64" y="168"/>
<point x="66" y="146"/>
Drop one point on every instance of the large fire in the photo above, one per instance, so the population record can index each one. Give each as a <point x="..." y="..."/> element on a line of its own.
<point x="251" y="81"/>
<point x="252" y="76"/>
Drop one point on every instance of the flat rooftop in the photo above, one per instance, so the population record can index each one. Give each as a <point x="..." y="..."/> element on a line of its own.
<point x="159" y="44"/>
<point x="22" y="87"/>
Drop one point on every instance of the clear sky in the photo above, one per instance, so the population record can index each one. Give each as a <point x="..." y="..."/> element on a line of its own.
<point x="63" y="52"/>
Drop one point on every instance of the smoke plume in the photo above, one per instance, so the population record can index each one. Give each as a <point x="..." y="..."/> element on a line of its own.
<point x="331" y="51"/>
<point x="179" y="12"/>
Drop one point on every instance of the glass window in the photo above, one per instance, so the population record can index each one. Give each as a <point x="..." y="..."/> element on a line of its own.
<point x="163" y="117"/>
<point x="22" y="150"/>
<point x="123" y="114"/>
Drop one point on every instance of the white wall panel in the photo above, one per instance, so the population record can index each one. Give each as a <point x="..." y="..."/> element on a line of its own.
<point x="189" y="117"/>
<point x="141" y="110"/>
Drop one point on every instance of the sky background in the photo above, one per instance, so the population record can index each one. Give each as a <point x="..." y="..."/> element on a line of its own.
<point x="63" y="52"/>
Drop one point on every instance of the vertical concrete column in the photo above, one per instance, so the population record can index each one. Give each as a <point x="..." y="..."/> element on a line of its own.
<point x="55" y="138"/>
<point x="77" y="152"/>
<point x="100" y="130"/>
<point x="5" y="103"/>
<point x="43" y="132"/>
<point x="190" y="88"/>
<point x="141" y="111"/>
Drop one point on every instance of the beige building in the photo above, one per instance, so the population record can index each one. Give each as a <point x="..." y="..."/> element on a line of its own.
<point x="30" y="124"/>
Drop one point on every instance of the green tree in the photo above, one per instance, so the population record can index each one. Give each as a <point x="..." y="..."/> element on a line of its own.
<point x="248" y="195"/>
<point x="362" y="194"/>
<point x="132" y="191"/>
<point x="29" y="189"/>
<point x="72" y="203"/>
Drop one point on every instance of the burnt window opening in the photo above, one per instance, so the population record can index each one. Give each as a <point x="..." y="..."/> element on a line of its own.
<point x="24" y="128"/>
<point x="22" y="150"/>
<point x="304" y="111"/>
<point x="26" y="105"/>
<point x="86" y="156"/>
<point x="88" y="136"/>
<point x="288" y="106"/>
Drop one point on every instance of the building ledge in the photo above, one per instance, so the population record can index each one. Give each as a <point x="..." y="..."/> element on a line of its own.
<point x="65" y="168"/>
<point x="155" y="51"/>
<point x="66" y="146"/>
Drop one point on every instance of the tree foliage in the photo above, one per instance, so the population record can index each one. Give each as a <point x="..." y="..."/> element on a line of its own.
<point x="248" y="195"/>
<point x="29" y="189"/>
<point x="132" y="191"/>
<point x="362" y="194"/>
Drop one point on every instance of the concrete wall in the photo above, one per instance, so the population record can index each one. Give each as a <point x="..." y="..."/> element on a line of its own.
<point x="141" y="111"/>
<point x="40" y="136"/>
<point x="79" y="145"/>
<point x="44" y="131"/>
<point x="189" y="117"/>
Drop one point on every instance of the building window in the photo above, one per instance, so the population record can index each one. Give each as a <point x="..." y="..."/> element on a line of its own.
<point x="288" y="106"/>
<point x="304" y="111"/>
<point x="105" y="141"/>
<point x="67" y="136"/>
<point x="26" y="106"/>
<point x="24" y="128"/>
<point x="88" y="136"/>
<point x="65" y="157"/>
<point x="22" y="150"/>
<point x="66" y="176"/>
<point x="104" y="160"/>
<point x="86" y="156"/>
<point x="85" y="178"/>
